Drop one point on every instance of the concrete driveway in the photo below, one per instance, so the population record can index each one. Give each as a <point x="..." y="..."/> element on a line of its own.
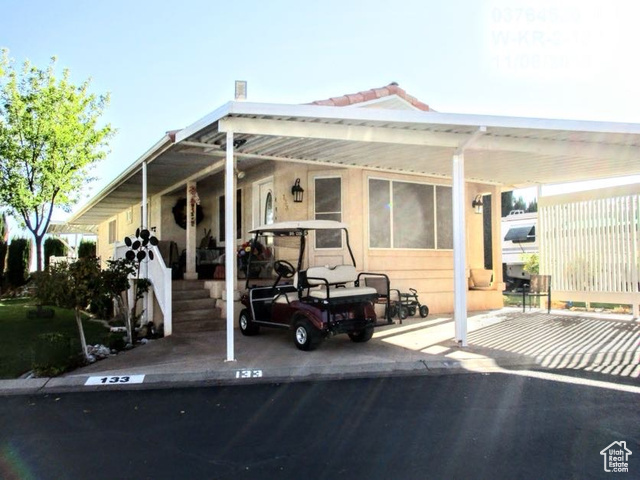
<point x="508" y="338"/>
<point x="605" y="348"/>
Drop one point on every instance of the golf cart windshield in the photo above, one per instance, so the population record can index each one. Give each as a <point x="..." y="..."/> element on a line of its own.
<point x="289" y="238"/>
<point x="298" y="228"/>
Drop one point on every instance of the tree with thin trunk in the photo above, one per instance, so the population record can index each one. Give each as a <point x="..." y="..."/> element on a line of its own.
<point x="71" y="285"/>
<point x="49" y="140"/>
<point x="4" y="245"/>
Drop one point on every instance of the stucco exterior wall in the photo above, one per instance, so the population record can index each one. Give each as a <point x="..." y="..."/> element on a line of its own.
<point x="428" y="271"/>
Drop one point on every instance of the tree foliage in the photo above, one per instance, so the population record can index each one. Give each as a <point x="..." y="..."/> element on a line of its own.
<point x="86" y="248"/>
<point x="71" y="285"/>
<point x="519" y="204"/>
<point x="49" y="140"/>
<point x="53" y="247"/>
<point x="507" y="202"/>
<point x="18" y="262"/>
<point x="4" y="243"/>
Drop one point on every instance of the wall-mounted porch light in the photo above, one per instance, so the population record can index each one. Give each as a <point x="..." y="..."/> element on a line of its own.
<point x="297" y="191"/>
<point x="477" y="204"/>
<point x="237" y="143"/>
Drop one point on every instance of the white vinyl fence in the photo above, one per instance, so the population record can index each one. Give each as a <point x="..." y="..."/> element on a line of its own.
<point x="589" y="244"/>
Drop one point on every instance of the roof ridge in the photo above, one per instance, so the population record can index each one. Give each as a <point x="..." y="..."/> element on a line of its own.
<point x="373" y="94"/>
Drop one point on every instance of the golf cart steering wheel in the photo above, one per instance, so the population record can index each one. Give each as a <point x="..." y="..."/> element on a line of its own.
<point x="284" y="269"/>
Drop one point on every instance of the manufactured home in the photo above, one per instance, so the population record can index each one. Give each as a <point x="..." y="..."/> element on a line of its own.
<point x="408" y="181"/>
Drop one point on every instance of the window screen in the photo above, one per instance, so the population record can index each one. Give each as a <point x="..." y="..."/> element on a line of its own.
<point x="380" y="214"/>
<point x="413" y="215"/>
<point x="409" y="215"/>
<point x="328" y="206"/>
<point x="112" y="231"/>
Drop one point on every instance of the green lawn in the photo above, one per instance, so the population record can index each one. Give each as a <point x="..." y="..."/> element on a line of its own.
<point x="18" y="334"/>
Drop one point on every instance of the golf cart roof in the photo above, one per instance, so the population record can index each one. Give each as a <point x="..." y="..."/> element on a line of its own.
<point x="284" y="228"/>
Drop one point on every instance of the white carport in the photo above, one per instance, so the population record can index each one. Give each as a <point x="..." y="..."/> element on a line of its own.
<point x="506" y="151"/>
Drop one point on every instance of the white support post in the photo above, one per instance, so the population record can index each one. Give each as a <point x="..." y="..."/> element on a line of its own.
<point x="635" y="259"/>
<point x="460" y="282"/>
<point x="230" y="241"/>
<point x="191" y="210"/>
<point x="459" y="251"/>
<point x="143" y="220"/>
<point x="143" y="225"/>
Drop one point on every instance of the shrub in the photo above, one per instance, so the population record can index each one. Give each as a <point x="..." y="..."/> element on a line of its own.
<point x="53" y="355"/>
<point x="531" y="263"/>
<point x="116" y="341"/>
<point x="86" y="249"/>
<point x="50" y="285"/>
<point x="53" y="247"/>
<point x="18" y="262"/>
<point x="102" y="306"/>
<point x="3" y="257"/>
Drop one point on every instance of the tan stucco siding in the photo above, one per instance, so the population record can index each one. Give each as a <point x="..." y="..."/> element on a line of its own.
<point x="428" y="271"/>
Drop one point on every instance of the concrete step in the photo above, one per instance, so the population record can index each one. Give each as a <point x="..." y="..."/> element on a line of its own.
<point x="190" y="304"/>
<point x="193" y="309"/>
<point x="216" y="325"/>
<point x="187" y="285"/>
<point x="202" y="314"/>
<point x="180" y="295"/>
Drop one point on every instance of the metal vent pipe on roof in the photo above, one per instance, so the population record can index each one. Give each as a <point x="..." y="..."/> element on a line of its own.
<point x="241" y="90"/>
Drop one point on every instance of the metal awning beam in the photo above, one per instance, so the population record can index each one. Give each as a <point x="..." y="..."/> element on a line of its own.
<point x="354" y="133"/>
<point x="490" y="141"/>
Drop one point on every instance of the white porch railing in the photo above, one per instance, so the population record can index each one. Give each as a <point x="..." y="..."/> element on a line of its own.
<point x="160" y="276"/>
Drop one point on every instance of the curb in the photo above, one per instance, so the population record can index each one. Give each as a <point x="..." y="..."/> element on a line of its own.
<point x="248" y="376"/>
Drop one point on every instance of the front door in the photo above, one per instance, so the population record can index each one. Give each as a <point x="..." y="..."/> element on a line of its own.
<point x="263" y="202"/>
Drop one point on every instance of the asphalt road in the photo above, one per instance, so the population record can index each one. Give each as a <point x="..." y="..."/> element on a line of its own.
<point x="459" y="426"/>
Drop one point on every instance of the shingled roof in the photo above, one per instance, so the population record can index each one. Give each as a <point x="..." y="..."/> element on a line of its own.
<point x="373" y="94"/>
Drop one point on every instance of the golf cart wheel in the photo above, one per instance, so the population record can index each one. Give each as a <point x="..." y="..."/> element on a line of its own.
<point x="362" y="336"/>
<point x="247" y="327"/>
<point x="412" y="311"/>
<point x="305" y="335"/>
<point x="392" y="312"/>
<point x="403" y="313"/>
<point x="424" y="311"/>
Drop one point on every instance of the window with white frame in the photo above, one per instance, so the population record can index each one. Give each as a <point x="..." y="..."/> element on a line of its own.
<point x="409" y="215"/>
<point x="328" y="206"/>
<point x="112" y="231"/>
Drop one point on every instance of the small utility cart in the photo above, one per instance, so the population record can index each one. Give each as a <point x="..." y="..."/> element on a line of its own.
<point x="313" y="302"/>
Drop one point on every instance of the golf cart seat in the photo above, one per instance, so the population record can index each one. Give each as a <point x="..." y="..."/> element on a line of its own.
<point x="330" y="283"/>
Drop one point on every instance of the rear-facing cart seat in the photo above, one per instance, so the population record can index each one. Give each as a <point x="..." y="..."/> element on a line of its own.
<point x="333" y="284"/>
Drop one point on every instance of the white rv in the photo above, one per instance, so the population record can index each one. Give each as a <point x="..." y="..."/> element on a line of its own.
<point x="518" y="238"/>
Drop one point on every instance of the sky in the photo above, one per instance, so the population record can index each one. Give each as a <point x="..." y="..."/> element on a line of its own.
<point x="167" y="64"/>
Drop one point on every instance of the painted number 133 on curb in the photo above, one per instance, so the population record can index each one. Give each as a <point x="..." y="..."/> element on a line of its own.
<point x="115" y="380"/>
<point x="248" y="373"/>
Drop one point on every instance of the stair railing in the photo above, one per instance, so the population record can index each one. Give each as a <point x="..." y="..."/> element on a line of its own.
<point x="160" y="276"/>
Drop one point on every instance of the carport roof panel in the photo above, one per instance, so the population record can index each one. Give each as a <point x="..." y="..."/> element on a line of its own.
<point x="512" y="152"/>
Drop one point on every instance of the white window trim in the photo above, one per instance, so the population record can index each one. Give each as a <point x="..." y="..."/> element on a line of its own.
<point x="435" y="219"/>
<point x="113" y="221"/>
<point x="315" y="192"/>
<point x="256" y="214"/>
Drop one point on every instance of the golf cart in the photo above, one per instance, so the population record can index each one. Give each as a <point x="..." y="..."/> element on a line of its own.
<point x="314" y="302"/>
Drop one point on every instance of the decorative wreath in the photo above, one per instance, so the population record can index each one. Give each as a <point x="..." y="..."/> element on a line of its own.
<point x="180" y="213"/>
